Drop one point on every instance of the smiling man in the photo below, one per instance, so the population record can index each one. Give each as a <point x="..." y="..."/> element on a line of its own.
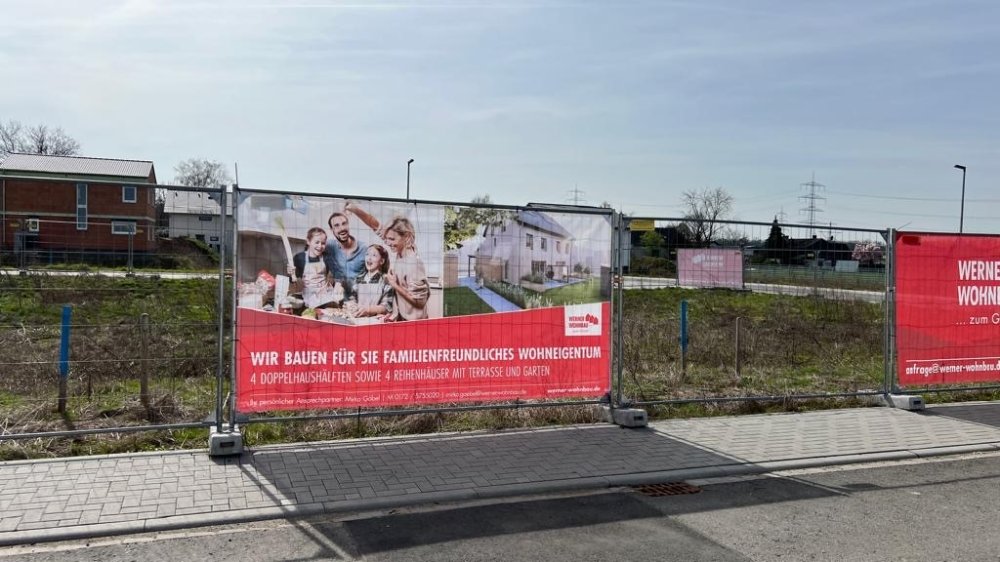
<point x="345" y="255"/>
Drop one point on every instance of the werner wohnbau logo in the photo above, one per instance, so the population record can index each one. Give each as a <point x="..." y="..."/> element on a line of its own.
<point x="583" y="320"/>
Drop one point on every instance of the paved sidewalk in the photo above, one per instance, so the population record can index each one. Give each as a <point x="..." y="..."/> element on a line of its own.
<point x="94" y="496"/>
<point x="493" y="300"/>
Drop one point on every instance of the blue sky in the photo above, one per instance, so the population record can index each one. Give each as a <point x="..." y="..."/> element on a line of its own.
<point x="629" y="102"/>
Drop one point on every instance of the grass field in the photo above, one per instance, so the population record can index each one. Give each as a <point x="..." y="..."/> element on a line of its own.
<point x="583" y="292"/>
<point x="459" y="301"/>
<point x="788" y="345"/>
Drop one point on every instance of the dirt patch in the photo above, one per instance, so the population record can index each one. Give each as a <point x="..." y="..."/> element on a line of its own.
<point x="186" y="253"/>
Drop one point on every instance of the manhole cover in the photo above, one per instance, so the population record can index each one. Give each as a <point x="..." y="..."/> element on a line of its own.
<point x="667" y="489"/>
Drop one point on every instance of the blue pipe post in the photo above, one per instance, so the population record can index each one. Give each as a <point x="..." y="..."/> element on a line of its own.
<point x="67" y="315"/>
<point x="684" y="337"/>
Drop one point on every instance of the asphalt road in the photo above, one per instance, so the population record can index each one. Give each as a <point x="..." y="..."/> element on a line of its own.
<point x="942" y="509"/>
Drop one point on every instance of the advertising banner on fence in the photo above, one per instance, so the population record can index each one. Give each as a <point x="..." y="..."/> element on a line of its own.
<point x="947" y="308"/>
<point x="365" y="303"/>
<point x="710" y="267"/>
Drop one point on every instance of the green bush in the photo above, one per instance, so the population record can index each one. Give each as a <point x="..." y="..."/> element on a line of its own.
<point x="652" y="266"/>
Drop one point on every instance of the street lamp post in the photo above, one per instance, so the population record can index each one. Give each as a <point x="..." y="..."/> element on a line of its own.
<point x="408" y="162"/>
<point x="961" y="213"/>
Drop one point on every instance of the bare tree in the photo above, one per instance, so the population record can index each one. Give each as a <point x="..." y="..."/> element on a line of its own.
<point x="43" y="140"/>
<point x="11" y="137"/>
<point x="201" y="172"/>
<point x="40" y="139"/>
<point x="703" y="209"/>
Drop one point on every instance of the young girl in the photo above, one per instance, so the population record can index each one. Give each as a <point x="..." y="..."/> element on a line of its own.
<point x="310" y="267"/>
<point x="372" y="295"/>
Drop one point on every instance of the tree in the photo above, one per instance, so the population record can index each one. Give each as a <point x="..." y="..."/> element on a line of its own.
<point x="777" y="244"/>
<point x="458" y="226"/>
<point x="490" y="217"/>
<point x="201" y="172"/>
<point x="40" y="139"/>
<point x="651" y="239"/>
<point x="461" y="223"/>
<point x="868" y="253"/>
<point x="702" y="211"/>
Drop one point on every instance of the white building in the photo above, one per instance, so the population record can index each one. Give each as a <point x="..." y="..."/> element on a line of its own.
<point x="194" y="214"/>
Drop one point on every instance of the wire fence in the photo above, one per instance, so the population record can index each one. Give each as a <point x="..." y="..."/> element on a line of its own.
<point x="722" y="312"/>
<point x="138" y="345"/>
<point x="750" y="311"/>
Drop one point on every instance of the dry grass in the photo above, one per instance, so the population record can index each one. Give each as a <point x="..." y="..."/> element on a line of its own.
<point x="787" y="345"/>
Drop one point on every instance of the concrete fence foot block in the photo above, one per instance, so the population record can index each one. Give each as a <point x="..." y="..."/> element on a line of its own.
<point x="906" y="401"/>
<point x="625" y="417"/>
<point x="225" y="443"/>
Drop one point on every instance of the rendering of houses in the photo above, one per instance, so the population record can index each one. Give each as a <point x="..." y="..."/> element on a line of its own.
<point x="69" y="207"/>
<point x="530" y="246"/>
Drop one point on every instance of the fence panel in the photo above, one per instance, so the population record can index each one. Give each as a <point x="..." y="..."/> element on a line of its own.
<point x="142" y="316"/>
<point x="806" y="317"/>
<point x="947" y="303"/>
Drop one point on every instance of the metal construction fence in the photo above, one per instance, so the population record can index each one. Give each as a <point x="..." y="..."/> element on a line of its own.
<point x="753" y="311"/>
<point x="137" y="330"/>
<point x="108" y="323"/>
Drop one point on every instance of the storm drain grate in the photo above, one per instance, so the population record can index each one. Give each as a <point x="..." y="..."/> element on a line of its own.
<point x="667" y="489"/>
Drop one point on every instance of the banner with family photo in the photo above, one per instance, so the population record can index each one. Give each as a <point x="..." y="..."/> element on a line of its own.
<point x="348" y="303"/>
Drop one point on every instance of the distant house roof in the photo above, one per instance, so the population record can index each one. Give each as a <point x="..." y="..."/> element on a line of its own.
<point x="819" y="244"/>
<point x="77" y="166"/>
<point x="176" y="202"/>
<point x="542" y="222"/>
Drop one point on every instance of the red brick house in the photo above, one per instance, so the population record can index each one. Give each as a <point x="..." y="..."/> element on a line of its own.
<point x="61" y="208"/>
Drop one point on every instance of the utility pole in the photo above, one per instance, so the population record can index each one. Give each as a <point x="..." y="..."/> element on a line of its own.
<point x="408" y="163"/>
<point x="576" y="196"/>
<point x="810" y="200"/>
<point x="961" y="215"/>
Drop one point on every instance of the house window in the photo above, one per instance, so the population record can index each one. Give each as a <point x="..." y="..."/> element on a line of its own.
<point x="128" y="194"/>
<point x="31" y="225"/>
<point x="544" y="243"/>
<point x="122" y="227"/>
<point x="558" y="244"/>
<point x="529" y="240"/>
<point x="81" y="206"/>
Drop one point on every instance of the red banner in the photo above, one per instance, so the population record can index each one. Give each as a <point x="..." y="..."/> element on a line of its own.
<point x="290" y="363"/>
<point x="710" y="267"/>
<point x="349" y="303"/>
<point x="947" y="308"/>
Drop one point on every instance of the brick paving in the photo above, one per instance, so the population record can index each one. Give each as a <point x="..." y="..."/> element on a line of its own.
<point x="76" y="497"/>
